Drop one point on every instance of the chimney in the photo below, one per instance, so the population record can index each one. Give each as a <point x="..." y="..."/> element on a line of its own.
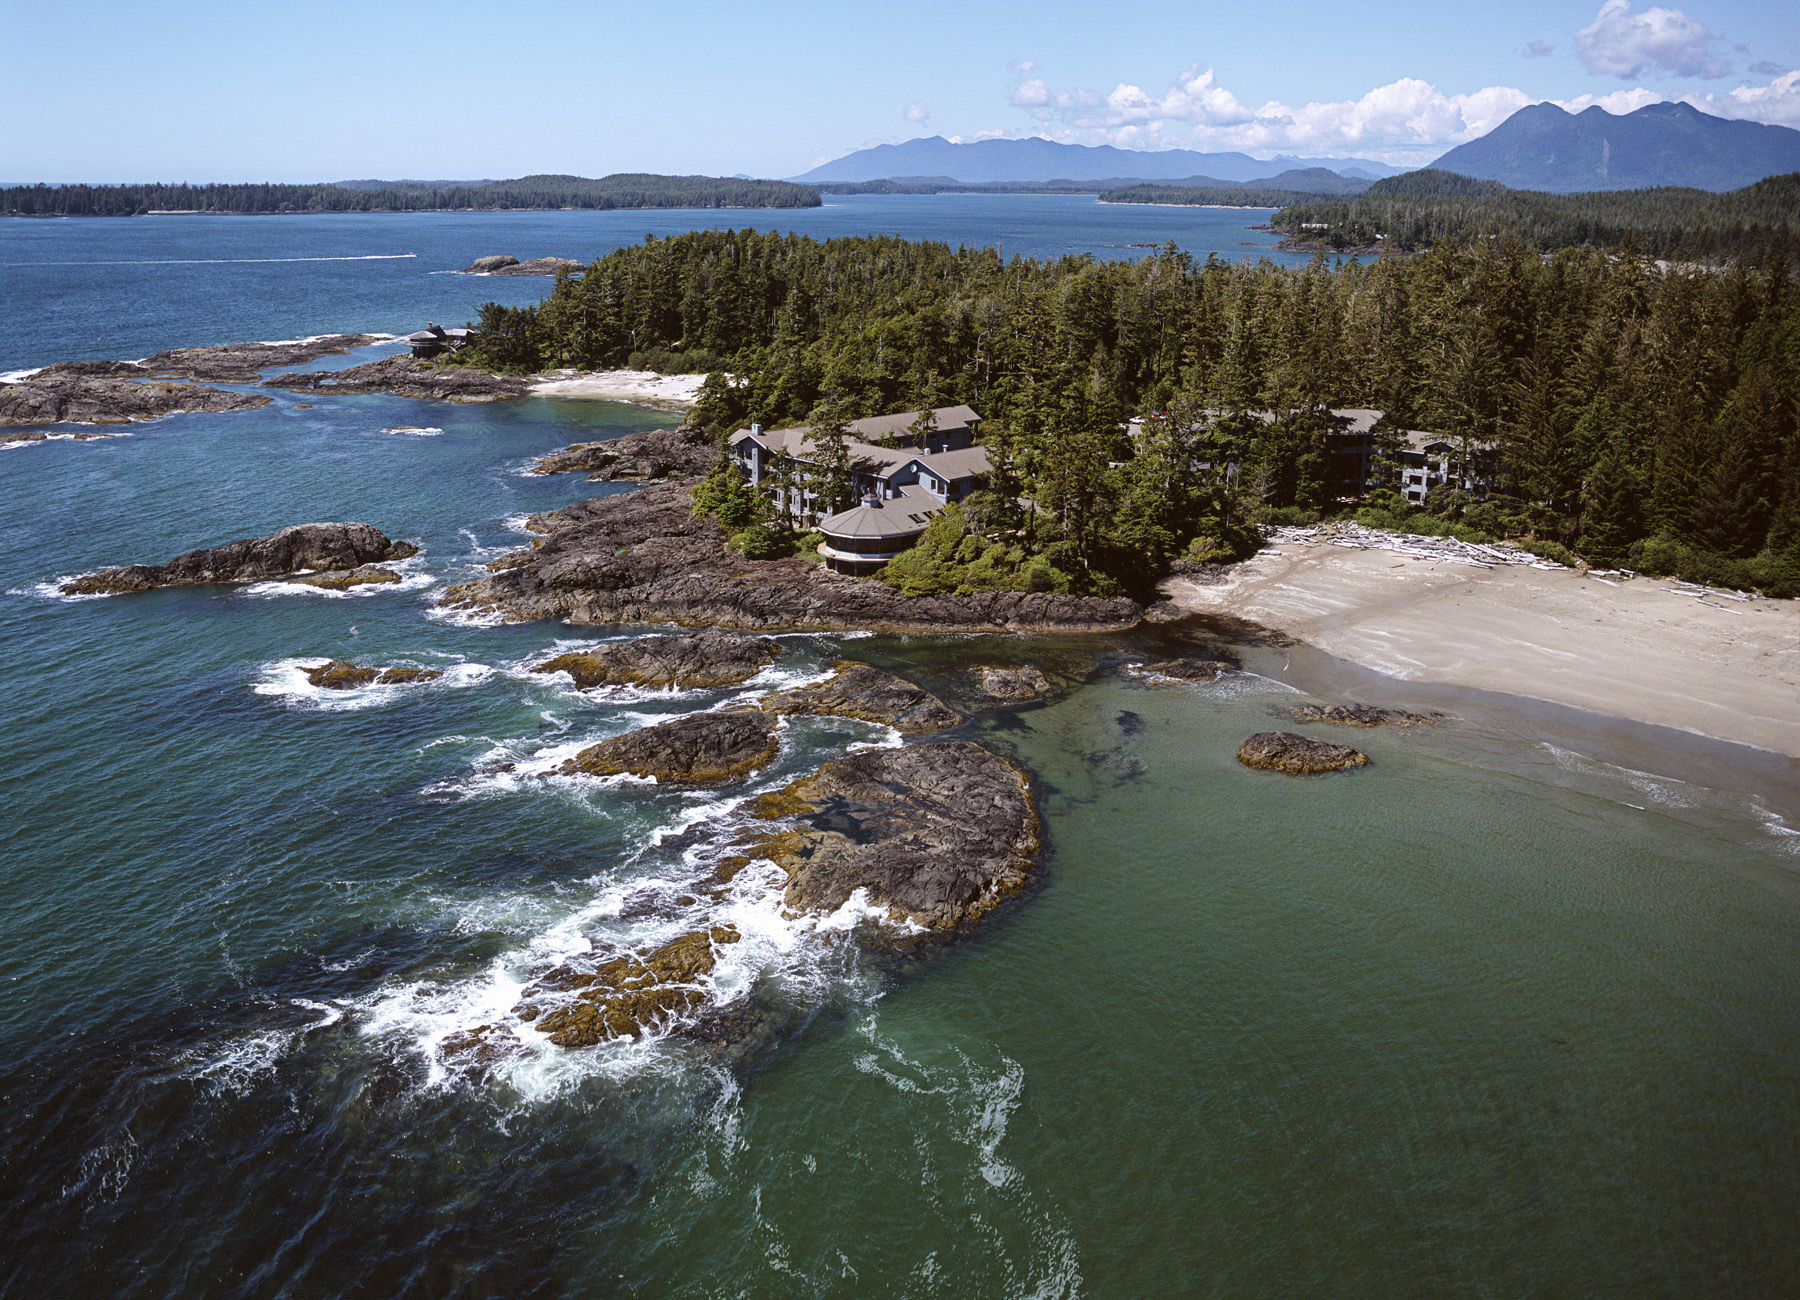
<point x="872" y="501"/>
<point x="756" y="430"/>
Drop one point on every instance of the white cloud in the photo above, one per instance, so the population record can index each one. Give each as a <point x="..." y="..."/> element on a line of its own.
<point x="1024" y="68"/>
<point x="1619" y="43"/>
<point x="917" y="113"/>
<point x="1406" y="122"/>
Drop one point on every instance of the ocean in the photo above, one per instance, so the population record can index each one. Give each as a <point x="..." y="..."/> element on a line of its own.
<point x="1514" y="1010"/>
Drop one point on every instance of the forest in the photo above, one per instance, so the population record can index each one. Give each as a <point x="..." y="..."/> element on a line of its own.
<point x="1758" y="225"/>
<point x="1641" y="416"/>
<point x="623" y="190"/>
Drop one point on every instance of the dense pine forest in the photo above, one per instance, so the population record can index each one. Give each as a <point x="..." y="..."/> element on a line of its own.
<point x="623" y="190"/>
<point x="1642" y="416"/>
<point x="1758" y="225"/>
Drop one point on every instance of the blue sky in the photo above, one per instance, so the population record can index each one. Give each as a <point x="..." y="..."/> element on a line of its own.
<point x="103" y="90"/>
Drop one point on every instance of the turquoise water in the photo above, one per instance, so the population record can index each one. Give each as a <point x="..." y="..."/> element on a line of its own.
<point x="1510" y="1012"/>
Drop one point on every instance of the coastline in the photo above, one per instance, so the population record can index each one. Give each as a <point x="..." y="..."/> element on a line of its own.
<point x="644" y="387"/>
<point x="1629" y="649"/>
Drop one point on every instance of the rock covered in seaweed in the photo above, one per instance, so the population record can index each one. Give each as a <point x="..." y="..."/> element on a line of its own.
<point x="341" y="675"/>
<point x="1017" y="684"/>
<point x="296" y="549"/>
<point x="103" y="399"/>
<point x="1353" y="715"/>
<point x="700" y="749"/>
<point x="699" y="659"/>
<point x="626" y="995"/>
<point x="1283" y="751"/>
<point x="642" y="557"/>
<point x="1181" y="670"/>
<point x="862" y="691"/>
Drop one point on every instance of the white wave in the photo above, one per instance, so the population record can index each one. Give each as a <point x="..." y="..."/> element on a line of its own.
<point x="375" y="335"/>
<point x="15" y="376"/>
<point x="413" y="430"/>
<point x="1786" y="837"/>
<point x="18" y="443"/>
<point x="516" y="524"/>
<point x="285" y="679"/>
<point x="52" y="590"/>
<point x="1662" y="790"/>
<point x="455" y="616"/>
<point x="413" y="577"/>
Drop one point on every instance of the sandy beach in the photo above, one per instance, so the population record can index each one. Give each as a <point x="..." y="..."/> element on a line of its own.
<point x="1629" y="648"/>
<point x="647" y="388"/>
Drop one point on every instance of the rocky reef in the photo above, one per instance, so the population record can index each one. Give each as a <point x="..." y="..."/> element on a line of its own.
<point x="1180" y="670"/>
<point x="242" y="363"/>
<point x="294" y="550"/>
<point x="642" y="557"/>
<point x="644" y="456"/>
<point x="1283" y="751"/>
<point x="700" y="659"/>
<point x="367" y="575"/>
<point x="505" y="264"/>
<point x="1015" y="684"/>
<point x="1353" y="715"/>
<point x="859" y="690"/>
<point x="699" y="749"/>
<point x="406" y="377"/>
<point x="65" y="398"/>
<point x="340" y="675"/>
<point x="624" y="996"/>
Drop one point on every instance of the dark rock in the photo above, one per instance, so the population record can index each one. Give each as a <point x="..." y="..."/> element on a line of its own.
<point x="1181" y="670"/>
<point x="642" y="557"/>
<point x="242" y="363"/>
<point x="626" y="995"/>
<point x="1283" y="751"/>
<point x="38" y="435"/>
<point x="501" y="264"/>
<point x="1020" y="683"/>
<point x="293" y="550"/>
<point x="936" y="834"/>
<point x="646" y="455"/>
<point x="340" y="579"/>
<point x="480" y="1049"/>
<point x="339" y="675"/>
<point x="406" y="377"/>
<point x="92" y="369"/>
<point x="1353" y="715"/>
<point x="709" y="658"/>
<point x="858" y="690"/>
<point x="77" y="399"/>
<point x="700" y="749"/>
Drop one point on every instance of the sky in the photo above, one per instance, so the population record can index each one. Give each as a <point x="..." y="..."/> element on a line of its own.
<point x="204" y="90"/>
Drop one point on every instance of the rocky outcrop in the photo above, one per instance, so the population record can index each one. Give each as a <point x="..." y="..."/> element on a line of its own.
<point x="701" y="659"/>
<point x="934" y="835"/>
<point x="858" y="690"/>
<point x="1283" y="751"/>
<point x="624" y="996"/>
<point x="1014" y="684"/>
<point x="644" y="456"/>
<point x="339" y="675"/>
<point x="502" y="264"/>
<point x="642" y="557"/>
<point x="406" y="377"/>
<point x="1180" y="670"/>
<point x="366" y="575"/>
<point x="700" y="749"/>
<point x="243" y="363"/>
<point x="1353" y="715"/>
<point x="62" y="398"/>
<point x="294" y="550"/>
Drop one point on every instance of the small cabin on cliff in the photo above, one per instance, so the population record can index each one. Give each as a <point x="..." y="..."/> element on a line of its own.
<point x="904" y="471"/>
<point x="435" y="340"/>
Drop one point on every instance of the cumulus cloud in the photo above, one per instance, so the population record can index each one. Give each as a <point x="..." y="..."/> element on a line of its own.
<point x="1538" y="50"/>
<point x="1619" y="43"/>
<point x="917" y="113"/>
<point x="1024" y="68"/>
<point x="1406" y="122"/>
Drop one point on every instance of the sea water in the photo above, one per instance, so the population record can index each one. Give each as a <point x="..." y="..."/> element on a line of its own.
<point x="1511" y="1011"/>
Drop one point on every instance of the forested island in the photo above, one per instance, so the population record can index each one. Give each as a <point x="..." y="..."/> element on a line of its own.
<point x="622" y="190"/>
<point x="1632" y="415"/>
<point x="1758" y="224"/>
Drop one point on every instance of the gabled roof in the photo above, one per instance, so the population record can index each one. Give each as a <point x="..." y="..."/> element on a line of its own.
<point x="872" y="458"/>
<point x="953" y="465"/>
<point x="895" y="426"/>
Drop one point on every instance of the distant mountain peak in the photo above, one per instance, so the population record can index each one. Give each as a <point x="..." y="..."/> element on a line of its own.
<point x="1543" y="147"/>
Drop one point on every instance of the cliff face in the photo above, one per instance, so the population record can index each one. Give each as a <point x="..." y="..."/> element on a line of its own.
<point x="643" y="558"/>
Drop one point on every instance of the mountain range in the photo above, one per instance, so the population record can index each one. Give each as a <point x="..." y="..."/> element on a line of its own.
<point x="1543" y="147"/>
<point x="1036" y="159"/>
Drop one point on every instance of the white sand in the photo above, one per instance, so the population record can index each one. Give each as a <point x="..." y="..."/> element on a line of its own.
<point x="643" y="386"/>
<point x="1631" y="649"/>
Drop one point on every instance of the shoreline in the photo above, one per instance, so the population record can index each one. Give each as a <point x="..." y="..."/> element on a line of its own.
<point x="642" y="387"/>
<point x="1626" y="649"/>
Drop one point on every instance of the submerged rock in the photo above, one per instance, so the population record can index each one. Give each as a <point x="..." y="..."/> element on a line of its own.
<point x="406" y="377"/>
<point x="709" y="658"/>
<point x="1021" y="683"/>
<point x="641" y="456"/>
<point x="700" y="749"/>
<point x="298" y="549"/>
<point x="859" y="690"/>
<point x="339" y="579"/>
<point x="934" y="835"/>
<point x="1353" y="715"/>
<point x="78" y="399"/>
<point x="1283" y="751"/>
<point x="1181" y="670"/>
<point x="642" y="557"/>
<point x="341" y="675"/>
<point x="624" y="996"/>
